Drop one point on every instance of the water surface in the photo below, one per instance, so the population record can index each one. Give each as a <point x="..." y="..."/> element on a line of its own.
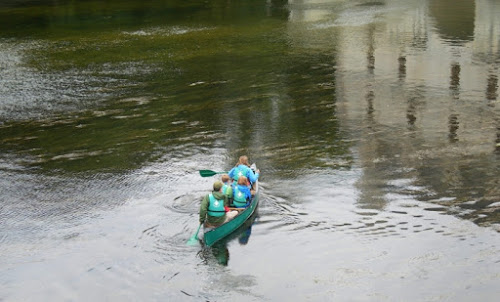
<point x="375" y="125"/>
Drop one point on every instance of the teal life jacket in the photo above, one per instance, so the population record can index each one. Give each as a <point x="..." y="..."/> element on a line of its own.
<point x="224" y="189"/>
<point x="238" y="172"/>
<point x="239" y="199"/>
<point x="215" y="206"/>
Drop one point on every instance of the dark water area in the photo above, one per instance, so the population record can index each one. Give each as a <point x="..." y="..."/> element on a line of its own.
<point x="375" y="124"/>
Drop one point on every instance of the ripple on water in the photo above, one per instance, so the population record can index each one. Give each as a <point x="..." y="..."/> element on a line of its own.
<point x="165" y="245"/>
<point x="278" y="214"/>
<point x="165" y="31"/>
<point x="401" y="217"/>
<point x="186" y="204"/>
<point x="28" y="93"/>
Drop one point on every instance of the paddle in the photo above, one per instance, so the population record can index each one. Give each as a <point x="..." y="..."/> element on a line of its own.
<point x="194" y="239"/>
<point x="207" y="173"/>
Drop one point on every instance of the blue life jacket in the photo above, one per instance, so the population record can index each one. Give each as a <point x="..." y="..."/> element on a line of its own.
<point x="215" y="206"/>
<point x="239" y="199"/>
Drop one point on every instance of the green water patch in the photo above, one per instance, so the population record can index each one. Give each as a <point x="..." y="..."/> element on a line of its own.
<point x="229" y="79"/>
<point x="117" y="138"/>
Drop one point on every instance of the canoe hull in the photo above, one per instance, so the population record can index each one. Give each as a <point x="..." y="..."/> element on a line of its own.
<point x="224" y="230"/>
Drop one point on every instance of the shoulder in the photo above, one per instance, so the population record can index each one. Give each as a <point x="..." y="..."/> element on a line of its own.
<point x="218" y="195"/>
<point x="245" y="168"/>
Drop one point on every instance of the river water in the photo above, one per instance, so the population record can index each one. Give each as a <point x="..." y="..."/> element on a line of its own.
<point x="375" y="124"/>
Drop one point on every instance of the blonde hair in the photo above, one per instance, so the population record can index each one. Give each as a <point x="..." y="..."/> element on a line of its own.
<point x="243" y="161"/>
<point x="243" y="180"/>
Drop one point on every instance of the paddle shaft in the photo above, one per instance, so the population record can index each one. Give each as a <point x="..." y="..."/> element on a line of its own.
<point x="207" y="173"/>
<point x="194" y="238"/>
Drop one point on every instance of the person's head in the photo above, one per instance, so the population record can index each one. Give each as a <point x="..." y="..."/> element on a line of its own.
<point x="243" y="161"/>
<point x="224" y="178"/>
<point x="217" y="185"/>
<point x="243" y="180"/>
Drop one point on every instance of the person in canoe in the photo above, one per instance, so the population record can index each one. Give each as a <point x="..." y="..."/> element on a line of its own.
<point x="241" y="193"/>
<point x="242" y="168"/>
<point x="227" y="187"/>
<point x="213" y="208"/>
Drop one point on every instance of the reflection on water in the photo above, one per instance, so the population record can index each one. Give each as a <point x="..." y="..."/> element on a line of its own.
<point x="492" y="87"/>
<point x="376" y="125"/>
<point x="219" y="251"/>
<point x="427" y="110"/>
<point x="454" y="19"/>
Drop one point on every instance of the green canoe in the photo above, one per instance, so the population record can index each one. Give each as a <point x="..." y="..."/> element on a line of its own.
<point x="222" y="231"/>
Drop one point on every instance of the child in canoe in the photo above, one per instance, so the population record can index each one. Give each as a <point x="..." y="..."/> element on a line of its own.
<point x="242" y="168"/>
<point x="241" y="193"/>
<point x="227" y="187"/>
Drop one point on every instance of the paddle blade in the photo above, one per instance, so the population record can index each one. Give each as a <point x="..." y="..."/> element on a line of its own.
<point x="207" y="173"/>
<point x="194" y="239"/>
